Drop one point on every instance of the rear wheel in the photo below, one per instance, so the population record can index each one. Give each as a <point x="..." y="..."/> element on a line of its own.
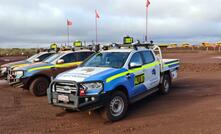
<point x="166" y="84"/>
<point x="116" y="107"/>
<point x="39" y="86"/>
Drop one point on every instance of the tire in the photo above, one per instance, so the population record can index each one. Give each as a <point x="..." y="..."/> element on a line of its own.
<point x="39" y="86"/>
<point x="116" y="107"/>
<point x="165" y="85"/>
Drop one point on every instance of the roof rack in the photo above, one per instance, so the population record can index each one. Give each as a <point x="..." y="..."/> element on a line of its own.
<point x="145" y="44"/>
<point x="135" y="45"/>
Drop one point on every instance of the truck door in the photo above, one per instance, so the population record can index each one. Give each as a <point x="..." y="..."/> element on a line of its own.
<point x="151" y="70"/>
<point x="71" y="61"/>
<point x="59" y="68"/>
<point x="137" y="73"/>
<point x="44" y="56"/>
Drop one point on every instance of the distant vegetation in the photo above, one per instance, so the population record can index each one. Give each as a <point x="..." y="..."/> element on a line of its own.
<point x="17" y="51"/>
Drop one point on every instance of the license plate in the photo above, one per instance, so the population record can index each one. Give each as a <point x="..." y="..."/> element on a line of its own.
<point x="63" y="98"/>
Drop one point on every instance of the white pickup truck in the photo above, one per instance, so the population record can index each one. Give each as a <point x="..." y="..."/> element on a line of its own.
<point x="112" y="79"/>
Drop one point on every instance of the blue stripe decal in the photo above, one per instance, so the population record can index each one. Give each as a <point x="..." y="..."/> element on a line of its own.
<point x="174" y="65"/>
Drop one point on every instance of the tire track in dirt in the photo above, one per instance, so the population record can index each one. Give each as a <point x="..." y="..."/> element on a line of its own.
<point x="193" y="106"/>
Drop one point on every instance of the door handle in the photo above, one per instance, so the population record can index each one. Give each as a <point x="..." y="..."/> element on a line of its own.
<point x="128" y="76"/>
<point x="154" y="71"/>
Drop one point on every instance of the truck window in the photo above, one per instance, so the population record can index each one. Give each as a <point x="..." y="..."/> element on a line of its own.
<point x="136" y="58"/>
<point x="69" y="58"/>
<point x="53" y="58"/>
<point x="83" y="55"/>
<point x="89" y="54"/>
<point x="32" y="57"/>
<point x="148" y="57"/>
<point x="44" y="56"/>
<point x="107" y="59"/>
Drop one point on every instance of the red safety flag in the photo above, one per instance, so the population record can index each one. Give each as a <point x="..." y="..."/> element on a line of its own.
<point x="148" y="3"/>
<point x="97" y="14"/>
<point x="69" y="23"/>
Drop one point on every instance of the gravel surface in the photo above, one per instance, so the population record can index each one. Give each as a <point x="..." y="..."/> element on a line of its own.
<point x="192" y="107"/>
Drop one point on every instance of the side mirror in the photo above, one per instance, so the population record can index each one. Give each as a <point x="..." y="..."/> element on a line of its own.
<point x="36" y="60"/>
<point x="134" y="65"/>
<point x="61" y="61"/>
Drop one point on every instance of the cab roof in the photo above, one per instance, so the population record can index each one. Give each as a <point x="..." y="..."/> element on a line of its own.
<point x="129" y="50"/>
<point x="83" y="50"/>
<point x="70" y="51"/>
<point x="118" y="50"/>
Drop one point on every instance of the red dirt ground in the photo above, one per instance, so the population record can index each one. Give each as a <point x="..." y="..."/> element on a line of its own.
<point x="192" y="107"/>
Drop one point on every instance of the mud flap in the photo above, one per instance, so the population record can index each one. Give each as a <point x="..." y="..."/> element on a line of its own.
<point x="173" y="74"/>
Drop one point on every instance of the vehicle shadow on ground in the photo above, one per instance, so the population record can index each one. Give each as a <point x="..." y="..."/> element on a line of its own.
<point x="183" y="93"/>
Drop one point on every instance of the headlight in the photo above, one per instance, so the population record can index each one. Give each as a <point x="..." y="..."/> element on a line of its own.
<point x="18" y="74"/>
<point x="3" y="69"/>
<point x="93" y="88"/>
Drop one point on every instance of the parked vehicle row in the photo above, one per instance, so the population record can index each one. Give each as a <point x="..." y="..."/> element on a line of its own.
<point x="35" y="58"/>
<point x="36" y="77"/>
<point x="108" y="80"/>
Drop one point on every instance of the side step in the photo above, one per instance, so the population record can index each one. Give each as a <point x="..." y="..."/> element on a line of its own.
<point x="143" y="95"/>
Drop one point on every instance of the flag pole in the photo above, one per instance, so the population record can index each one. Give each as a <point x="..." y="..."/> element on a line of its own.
<point x="68" y="32"/>
<point x="146" y="23"/>
<point x="96" y="28"/>
<point x="147" y="6"/>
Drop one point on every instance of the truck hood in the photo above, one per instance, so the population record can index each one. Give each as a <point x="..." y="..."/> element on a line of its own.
<point x="32" y="66"/>
<point x="86" y="74"/>
<point x="15" y="63"/>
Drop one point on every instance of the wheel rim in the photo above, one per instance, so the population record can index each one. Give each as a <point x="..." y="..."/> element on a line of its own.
<point x="117" y="106"/>
<point x="42" y="87"/>
<point x="166" y="86"/>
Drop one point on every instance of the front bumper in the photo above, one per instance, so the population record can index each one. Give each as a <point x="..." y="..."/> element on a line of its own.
<point x="17" y="82"/>
<point x="75" y="101"/>
<point x="3" y="75"/>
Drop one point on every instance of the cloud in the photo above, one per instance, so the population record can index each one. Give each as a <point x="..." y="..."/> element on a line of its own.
<point x="38" y="22"/>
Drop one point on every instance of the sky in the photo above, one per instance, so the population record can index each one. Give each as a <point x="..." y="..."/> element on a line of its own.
<point x="38" y="23"/>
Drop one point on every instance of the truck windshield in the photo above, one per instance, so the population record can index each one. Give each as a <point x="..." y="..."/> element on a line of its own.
<point x="30" y="59"/>
<point x="52" y="58"/>
<point x="107" y="59"/>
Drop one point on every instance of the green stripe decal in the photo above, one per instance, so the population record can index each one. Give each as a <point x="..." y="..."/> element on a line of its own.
<point x="166" y="65"/>
<point x="116" y="76"/>
<point x="57" y="66"/>
<point x="39" y="68"/>
<point x="132" y="71"/>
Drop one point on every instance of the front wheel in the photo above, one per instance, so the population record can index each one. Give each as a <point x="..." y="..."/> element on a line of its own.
<point x="165" y="85"/>
<point x="39" y="86"/>
<point x="116" y="107"/>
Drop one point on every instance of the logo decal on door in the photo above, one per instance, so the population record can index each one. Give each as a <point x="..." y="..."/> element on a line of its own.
<point x="154" y="72"/>
<point x="139" y="79"/>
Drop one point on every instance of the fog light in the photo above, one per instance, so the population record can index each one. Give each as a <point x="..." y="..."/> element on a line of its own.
<point x="54" y="100"/>
<point x="86" y="99"/>
<point x="93" y="98"/>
